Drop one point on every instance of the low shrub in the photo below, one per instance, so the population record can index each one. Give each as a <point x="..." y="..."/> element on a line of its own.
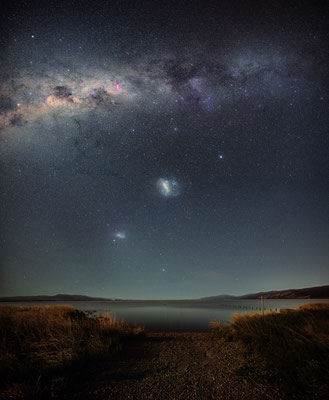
<point x="222" y="331"/>
<point x="290" y="347"/>
<point x="40" y="340"/>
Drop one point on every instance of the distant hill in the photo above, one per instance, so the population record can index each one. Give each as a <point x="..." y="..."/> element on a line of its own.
<point x="317" y="292"/>
<point x="220" y="297"/>
<point x="57" y="297"/>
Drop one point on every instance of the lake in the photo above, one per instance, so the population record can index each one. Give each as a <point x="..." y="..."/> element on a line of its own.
<point x="174" y="315"/>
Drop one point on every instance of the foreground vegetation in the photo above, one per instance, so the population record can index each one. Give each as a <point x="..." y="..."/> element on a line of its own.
<point x="42" y="348"/>
<point x="38" y="344"/>
<point x="290" y="348"/>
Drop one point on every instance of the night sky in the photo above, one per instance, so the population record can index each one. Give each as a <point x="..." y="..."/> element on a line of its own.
<point x="163" y="151"/>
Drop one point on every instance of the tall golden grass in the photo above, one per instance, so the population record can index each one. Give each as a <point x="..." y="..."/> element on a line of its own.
<point x="292" y="347"/>
<point x="37" y="337"/>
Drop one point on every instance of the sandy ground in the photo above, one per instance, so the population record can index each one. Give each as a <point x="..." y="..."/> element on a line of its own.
<point x="171" y="366"/>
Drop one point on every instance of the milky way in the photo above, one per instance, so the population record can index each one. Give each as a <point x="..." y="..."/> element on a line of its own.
<point x="168" y="152"/>
<point x="171" y="84"/>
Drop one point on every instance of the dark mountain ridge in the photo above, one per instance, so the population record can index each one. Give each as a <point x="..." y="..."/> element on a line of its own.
<point x="57" y="297"/>
<point x="317" y="292"/>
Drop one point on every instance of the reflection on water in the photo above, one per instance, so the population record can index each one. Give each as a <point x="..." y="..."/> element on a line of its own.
<point x="189" y="315"/>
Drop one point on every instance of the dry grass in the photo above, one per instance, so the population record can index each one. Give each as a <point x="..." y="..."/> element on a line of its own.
<point x="290" y="346"/>
<point x="223" y="331"/>
<point x="36" y="339"/>
<point x="314" y="306"/>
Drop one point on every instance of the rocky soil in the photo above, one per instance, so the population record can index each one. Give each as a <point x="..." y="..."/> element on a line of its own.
<point x="171" y="366"/>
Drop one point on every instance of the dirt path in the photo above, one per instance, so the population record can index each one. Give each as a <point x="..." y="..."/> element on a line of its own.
<point x="172" y="366"/>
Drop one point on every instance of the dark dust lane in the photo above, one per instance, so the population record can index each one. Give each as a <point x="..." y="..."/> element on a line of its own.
<point x="172" y="366"/>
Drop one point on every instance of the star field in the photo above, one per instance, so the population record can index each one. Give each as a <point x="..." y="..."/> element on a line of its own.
<point x="176" y="152"/>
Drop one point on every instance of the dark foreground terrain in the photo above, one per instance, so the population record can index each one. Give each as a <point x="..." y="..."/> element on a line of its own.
<point x="60" y="353"/>
<point x="178" y="366"/>
<point x="160" y="366"/>
<point x="170" y="366"/>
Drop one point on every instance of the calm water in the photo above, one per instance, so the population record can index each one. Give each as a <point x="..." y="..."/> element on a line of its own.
<point x="182" y="315"/>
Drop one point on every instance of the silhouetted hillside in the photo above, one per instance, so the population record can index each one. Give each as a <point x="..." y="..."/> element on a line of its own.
<point x="317" y="292"/>
<point x="57" y="297"/>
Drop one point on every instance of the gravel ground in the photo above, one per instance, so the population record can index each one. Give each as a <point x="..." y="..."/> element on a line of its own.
<point x="172" y="366"/>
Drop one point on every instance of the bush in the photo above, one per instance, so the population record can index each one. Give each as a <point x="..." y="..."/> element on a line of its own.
<point x="38" y="340"/>
<point x="290" y="346"/>
<point x="222" y="331"/>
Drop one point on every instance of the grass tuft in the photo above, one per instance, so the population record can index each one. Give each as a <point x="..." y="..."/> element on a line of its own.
<point x="40" y="340"/>
<point x="290" y="347"/>
<point x="222" y="331"/>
